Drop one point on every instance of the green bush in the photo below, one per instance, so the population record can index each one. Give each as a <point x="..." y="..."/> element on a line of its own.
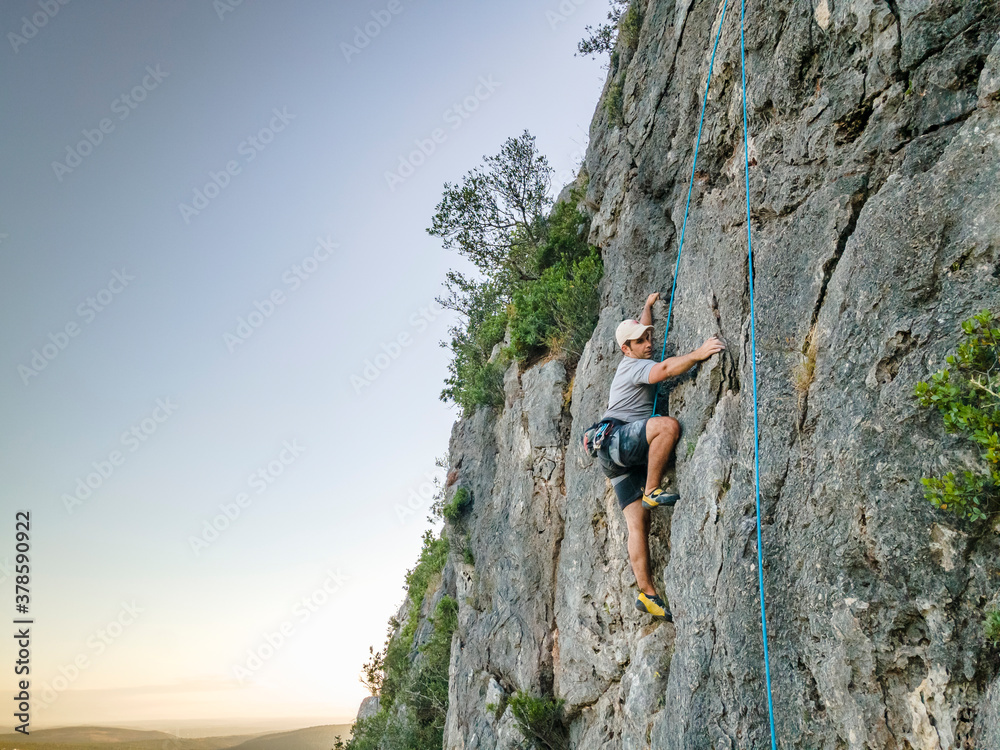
<point x="473" y="380"/>
<point x="423" y="690"/>
<point x="565" y="233"/>
<point x="540" y="720"/>
<point x="991" y="627"/>
<point x="967" y="397"/>
<point x="367" y="734"/>
<point x="458" y="505"/>
<point x="559" y="311"/>
<point x="396" y="661"/>
<point x="429" y="691"/>
<point x="431" y="561"/>
<point x="396" y="666"/>
<point x="630" y="25"/>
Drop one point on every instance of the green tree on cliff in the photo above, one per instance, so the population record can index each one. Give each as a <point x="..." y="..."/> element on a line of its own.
<point x="967" y="393"/>
<point x="537" y="276"/>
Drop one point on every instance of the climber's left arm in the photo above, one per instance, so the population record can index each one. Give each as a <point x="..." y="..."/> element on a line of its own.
<point x="646" y="318"/>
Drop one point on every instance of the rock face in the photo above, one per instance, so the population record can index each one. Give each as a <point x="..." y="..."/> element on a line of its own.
<point x="368" y="708"/>
<point x="875" y="151"/>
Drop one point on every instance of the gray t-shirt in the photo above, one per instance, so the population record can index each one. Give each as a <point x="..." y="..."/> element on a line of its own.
<point x="631" y="396"/>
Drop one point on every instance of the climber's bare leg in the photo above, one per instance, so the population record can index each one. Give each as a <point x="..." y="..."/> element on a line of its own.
<point x="661" y="434"/>
<point x="637" y="519"/>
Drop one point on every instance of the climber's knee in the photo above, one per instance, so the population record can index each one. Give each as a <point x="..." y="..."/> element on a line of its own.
<point x="656" y="426"/>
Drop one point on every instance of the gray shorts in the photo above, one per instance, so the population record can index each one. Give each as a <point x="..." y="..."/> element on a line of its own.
<point x="624" y="461"/>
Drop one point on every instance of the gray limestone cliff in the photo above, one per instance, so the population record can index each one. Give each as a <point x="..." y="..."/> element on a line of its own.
<point x="875" y="152"/>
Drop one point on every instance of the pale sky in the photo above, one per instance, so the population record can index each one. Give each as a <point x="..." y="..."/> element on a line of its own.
<point x="217" y="309"/>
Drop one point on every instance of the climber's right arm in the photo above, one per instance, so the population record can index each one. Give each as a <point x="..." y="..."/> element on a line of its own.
<point x="673" y="366"/>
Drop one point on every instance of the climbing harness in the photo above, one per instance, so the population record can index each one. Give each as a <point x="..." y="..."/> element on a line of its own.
<point x="599" y="434"/>
<point x="753" y="344"/>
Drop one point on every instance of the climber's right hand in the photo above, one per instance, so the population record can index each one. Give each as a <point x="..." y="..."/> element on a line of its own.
<point x="712" y="346"/>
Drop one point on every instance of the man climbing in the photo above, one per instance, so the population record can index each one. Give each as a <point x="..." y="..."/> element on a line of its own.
<point x="636" y="453"/>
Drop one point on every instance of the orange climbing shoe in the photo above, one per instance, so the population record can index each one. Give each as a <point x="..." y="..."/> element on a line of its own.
<point x="654" y="605"/>
<point x="659" y="497"/>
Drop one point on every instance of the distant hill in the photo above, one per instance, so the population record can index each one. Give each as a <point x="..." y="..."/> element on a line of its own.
<point x="87" y="735"/>
<point x="97" y="738"/>
<point x="310" y="738"/>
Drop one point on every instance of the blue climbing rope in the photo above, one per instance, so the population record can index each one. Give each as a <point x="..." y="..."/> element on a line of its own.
<point x="753" y="360"/>
<point x="753" y="340"/>
<point x="694" y="163"/>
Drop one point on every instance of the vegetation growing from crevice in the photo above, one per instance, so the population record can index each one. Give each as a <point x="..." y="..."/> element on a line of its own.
<point x="498" y="708"/>
<point x="620" y="39"/>
<point x="991" y="627"/>
<point x="536" y="287"/>
<point x="542" y="721"/>
<point x="629" y="26"/>
<point x="967" y="393"/>
<point x="805" y="371"/>
<point x="613" y="100"/>
<point x="420" y="685"/>
<point x="459" y="503"/>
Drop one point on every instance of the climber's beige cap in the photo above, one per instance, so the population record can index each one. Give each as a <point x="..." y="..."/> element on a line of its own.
<point x="629" y="329"/>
